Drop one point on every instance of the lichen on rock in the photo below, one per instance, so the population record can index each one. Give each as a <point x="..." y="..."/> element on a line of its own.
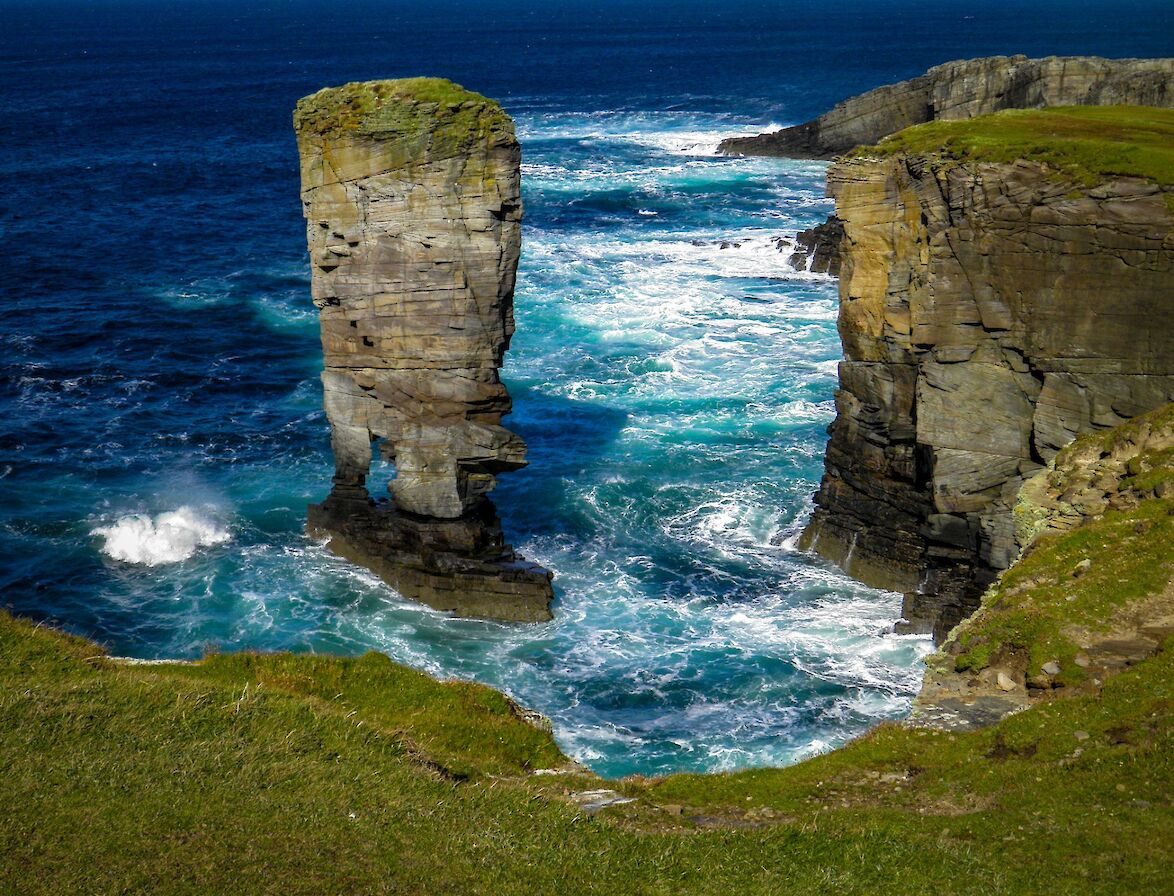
<point x="411" y="193"/>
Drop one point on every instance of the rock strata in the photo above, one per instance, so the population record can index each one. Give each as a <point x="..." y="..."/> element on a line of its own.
<point x="817" y="249"/>
<point x="411" y="193"/>
<point x="989" y="313"/>
<point x="967" y="89"/>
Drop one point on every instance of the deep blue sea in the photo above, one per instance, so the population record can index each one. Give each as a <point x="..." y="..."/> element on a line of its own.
<point x="162" y="429"/>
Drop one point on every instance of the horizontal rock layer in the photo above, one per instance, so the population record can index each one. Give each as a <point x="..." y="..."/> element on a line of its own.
<point x="967" y="89"/>
<point x="411" y="192"/>
<point x="989" y="313"/>
<point x="460" y="566"/>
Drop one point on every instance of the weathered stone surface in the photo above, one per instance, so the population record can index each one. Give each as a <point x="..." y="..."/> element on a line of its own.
<point x="966" y="89"/>
<point x="1126" y="465"/>
<point x="988" y="315"/>
<point x="411" y="192"/>
<point x="1087" y="477"/>
<point x="817" y="249"/>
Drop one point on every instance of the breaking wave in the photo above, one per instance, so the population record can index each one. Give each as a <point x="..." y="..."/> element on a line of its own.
<point x="170" y="537"/>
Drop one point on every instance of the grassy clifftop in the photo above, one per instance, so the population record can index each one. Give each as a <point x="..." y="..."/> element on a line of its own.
<point x="296" y="774"/>
<point x="1086" y="143"/>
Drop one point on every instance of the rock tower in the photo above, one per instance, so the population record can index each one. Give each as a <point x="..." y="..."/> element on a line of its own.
<point x="411" y="192"/>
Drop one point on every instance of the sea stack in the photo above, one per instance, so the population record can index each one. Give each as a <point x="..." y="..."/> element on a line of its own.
<point x="411" y="192"/>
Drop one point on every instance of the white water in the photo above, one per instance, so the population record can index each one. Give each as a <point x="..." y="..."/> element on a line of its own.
<point x="170" y="537"/>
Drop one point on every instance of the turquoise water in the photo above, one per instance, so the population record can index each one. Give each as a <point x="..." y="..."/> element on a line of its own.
<point x="674" y="394"/>
<point x="162" y="424"/>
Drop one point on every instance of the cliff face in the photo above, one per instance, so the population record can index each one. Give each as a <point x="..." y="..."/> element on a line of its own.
<point x="411" y="192"/>
<point x="967" y="89"/>
<point x="989" y="313"/>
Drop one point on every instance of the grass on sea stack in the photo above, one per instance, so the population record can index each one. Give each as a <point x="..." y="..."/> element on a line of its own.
<point x="404" y="109"/>
<point x="1085" y="143"/>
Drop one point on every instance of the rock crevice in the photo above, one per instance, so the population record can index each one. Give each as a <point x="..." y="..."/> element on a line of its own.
<point x="411" y="193"/>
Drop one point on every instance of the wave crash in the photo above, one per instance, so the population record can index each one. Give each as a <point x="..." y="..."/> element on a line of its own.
<point x="170" y="537"/>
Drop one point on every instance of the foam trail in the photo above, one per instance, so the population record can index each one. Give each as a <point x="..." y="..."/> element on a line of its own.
<point x="170" y="537"/>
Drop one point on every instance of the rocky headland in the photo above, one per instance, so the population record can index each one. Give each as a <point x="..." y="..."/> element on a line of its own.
<point x="411" y="193"/>
<point x="1006" y="284"/>
<point x="966" y="89"/>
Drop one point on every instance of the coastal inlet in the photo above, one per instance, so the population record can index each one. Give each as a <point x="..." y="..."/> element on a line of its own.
<point x="671" y="375"/>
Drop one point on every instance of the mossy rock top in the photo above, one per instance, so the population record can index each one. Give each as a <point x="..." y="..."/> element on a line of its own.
<point x="1088" y="144"/>
<point x="404" y="109"/>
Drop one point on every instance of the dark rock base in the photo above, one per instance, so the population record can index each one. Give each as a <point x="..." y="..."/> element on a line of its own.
<point x="940" y="587"/>
<point x="460" y="566"/>
<point x="818" y="248"/>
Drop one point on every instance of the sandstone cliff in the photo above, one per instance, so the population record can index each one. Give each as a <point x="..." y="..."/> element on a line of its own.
<point x="990" y="312"/>
<point x="411" y="191"/>
<point x="966" y="89"/>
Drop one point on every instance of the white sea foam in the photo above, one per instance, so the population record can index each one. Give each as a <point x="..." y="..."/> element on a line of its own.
<point x="169" y="537"/>
<point x="684" y="132"/>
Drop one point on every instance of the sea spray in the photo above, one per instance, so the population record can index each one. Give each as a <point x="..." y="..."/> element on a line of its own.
<point x="170" y="537"/>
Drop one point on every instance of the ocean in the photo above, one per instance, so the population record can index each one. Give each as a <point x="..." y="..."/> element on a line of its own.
<point x="162" y="429"/>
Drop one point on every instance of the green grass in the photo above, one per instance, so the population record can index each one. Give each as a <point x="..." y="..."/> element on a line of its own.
<point x="1084" y="143"/>
<point x="1038" y="604"/>
<point x="1040" y="599"/>
<point x="302" y="774"/>
<point x="461" y="728"/>
<point x="246" y="774"/>
<point x="405" y="109"/>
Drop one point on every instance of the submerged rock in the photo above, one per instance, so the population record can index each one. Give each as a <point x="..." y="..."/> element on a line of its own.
<point x="411" y="193"/>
